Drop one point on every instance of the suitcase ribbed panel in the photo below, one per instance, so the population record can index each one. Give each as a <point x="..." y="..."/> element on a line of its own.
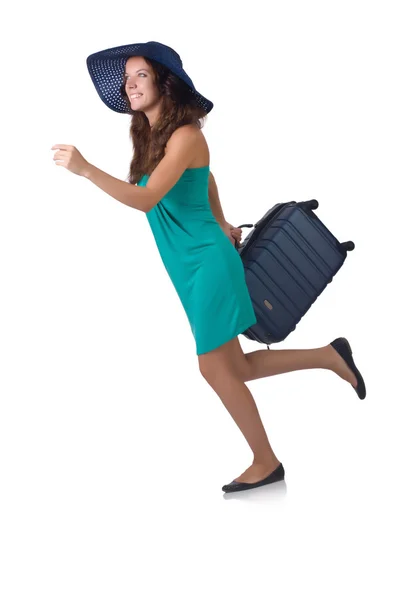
<point x="292" y="261"/>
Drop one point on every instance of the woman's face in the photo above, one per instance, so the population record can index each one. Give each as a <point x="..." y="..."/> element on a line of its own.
<point x="139" y="80"/>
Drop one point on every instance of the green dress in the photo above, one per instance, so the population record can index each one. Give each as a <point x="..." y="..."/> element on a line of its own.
<point x="204" y="266"/>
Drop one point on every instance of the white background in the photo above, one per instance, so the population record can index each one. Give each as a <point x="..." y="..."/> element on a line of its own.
<point x="113" y="448"/>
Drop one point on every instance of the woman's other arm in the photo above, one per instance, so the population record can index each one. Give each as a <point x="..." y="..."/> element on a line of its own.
<point x="233" y="233"/>
<point x="214" y="201"/>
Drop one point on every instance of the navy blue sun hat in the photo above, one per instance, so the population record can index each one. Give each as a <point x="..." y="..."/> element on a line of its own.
<point x="107" y="67"/>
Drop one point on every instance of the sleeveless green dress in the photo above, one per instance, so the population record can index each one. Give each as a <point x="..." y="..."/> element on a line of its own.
<point x="204" y="266"/>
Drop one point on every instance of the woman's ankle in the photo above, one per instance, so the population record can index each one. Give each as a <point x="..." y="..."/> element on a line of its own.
<point x="267" y="460"/>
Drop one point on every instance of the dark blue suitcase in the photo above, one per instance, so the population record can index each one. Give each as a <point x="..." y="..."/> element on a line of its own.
<point x="289" y="258"/>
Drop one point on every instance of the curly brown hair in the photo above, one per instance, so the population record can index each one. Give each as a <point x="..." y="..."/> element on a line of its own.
<point x="178" y="108"/>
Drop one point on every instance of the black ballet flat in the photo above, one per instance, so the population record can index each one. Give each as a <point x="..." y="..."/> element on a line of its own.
<point x="238" y="486"/>
<point x="342" y="346"/>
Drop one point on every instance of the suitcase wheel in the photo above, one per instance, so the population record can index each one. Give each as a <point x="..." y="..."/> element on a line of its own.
<point x="311" y="204"/>
<point x="348" y="246"/>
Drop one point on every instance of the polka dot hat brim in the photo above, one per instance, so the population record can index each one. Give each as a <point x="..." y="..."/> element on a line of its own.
<point x="106" y="69"/>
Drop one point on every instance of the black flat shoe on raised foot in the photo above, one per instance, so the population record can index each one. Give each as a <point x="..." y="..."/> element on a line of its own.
<point x="342" y="346"/>
<point x="238" y="486"/>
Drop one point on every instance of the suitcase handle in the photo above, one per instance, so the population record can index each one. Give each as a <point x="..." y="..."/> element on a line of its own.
<point x="236" y="243"/>
<point x="272" y="212"/>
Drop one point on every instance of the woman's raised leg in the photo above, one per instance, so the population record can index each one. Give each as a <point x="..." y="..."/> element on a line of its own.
<point x="264" y="363"/>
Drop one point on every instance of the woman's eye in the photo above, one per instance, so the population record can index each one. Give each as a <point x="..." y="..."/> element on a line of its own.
<point x="127" y="76"/>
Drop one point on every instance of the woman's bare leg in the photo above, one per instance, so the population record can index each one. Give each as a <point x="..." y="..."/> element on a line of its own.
<point x="227" y="368"/>
<point x="241" y="405"/>
<point x="265" y="363"/>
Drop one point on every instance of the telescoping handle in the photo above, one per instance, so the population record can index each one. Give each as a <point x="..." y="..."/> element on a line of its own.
<point x="272" y="212"/>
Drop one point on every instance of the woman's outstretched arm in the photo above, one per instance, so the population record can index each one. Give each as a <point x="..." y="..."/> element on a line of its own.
<point x="180" y="152"/>
<point x="133" y="196"/>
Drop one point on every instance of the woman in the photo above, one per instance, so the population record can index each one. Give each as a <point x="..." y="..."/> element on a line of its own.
<point x="174" y="187"/>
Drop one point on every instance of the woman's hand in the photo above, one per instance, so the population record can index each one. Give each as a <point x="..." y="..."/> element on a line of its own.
<point x="69" y="157"/>
<point x="233" y="233"/>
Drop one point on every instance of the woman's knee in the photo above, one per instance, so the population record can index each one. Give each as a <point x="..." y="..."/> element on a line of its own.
<point x="208" y="366"/>
<point x="225" y="359"/>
